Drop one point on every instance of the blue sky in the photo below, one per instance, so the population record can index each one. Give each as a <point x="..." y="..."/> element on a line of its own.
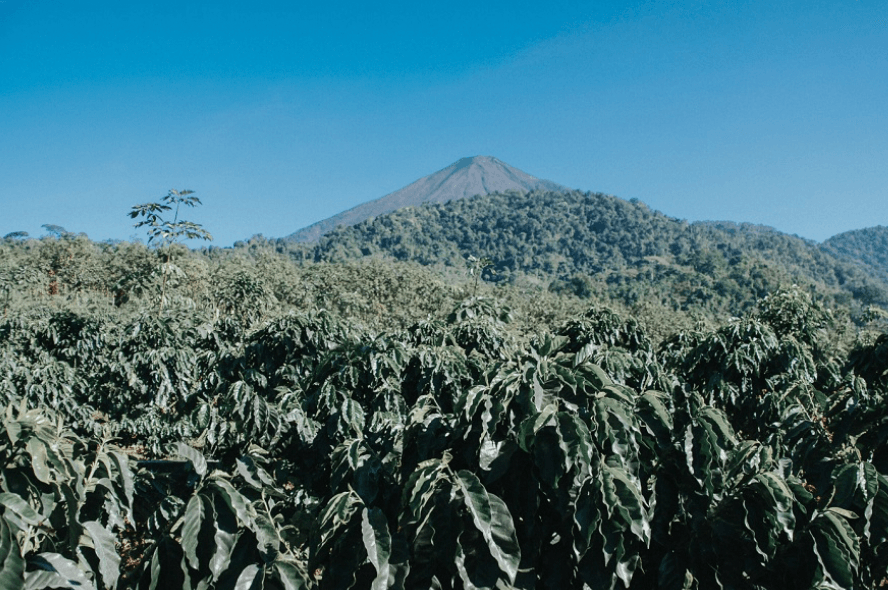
<point x="279" y="114"/>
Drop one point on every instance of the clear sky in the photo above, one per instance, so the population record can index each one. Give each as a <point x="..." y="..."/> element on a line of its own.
<point x="279" y="114"/>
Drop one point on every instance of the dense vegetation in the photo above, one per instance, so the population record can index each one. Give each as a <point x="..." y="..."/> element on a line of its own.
<point x="593" y="243"/>
<point x="235" y="420"/>
<point x="869" y="246"/>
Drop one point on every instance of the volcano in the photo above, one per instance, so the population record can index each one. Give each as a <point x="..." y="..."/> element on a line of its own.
<point x="467" y="177"/>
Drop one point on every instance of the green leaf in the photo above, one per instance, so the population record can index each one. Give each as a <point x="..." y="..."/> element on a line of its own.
<point x="155" y="571"/>
<point x="253" y="473"/>
<point x="493" y="520"/>
<point x="337" y="517"/>
<point x="622" y="497"/>
<point x="12" y="566"/>
<point x="652" y="410"/>
<point x="22" y="509"/>
<point x="378" y="543"/>
<point x="575" y="442"/>
<point x="836" y="547"/>
<point x="585" y="353"/>
<point x="861" y="488"/>
<point x="291" y="577"/>
<point x="37" y="450"/>
<point x="598" y="378"/>
<point x="475" y="572"/>
<point x="355" y="463"/>
<point x="194" y="456"/>
<point x="248" y="577"/>
<point x="618" y="431"/>
<point x="125" y="475"/>
<point x="586" y="516"/>
<point x="267" y="538"/>
<point x="236" y="501"/>
<point x="420" y="493"/>
<point x="55" y="571"/>
<point x="13" y="426"/>
<point x="75" y="529"/>
<point x="719" y="424"/>
<point x="104" y="546"/>
<point x="672" y="575"/>
<point x="842" y="512"/>
<point x="783" y="500"/>
<point x="225" y="541"/>
<point x="195" y="513"/>
<point x="533" y="424"/>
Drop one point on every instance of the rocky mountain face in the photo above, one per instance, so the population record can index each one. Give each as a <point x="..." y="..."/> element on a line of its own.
<point x="468" y="177"/>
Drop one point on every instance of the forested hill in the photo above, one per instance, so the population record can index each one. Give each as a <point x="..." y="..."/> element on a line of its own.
<point x="587" y="242"/>
<point x="868" y="246"/>
<point x="467" y="177"/>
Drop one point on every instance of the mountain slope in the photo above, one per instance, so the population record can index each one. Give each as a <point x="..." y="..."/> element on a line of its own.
<point x="868" y="246"/>
<point x="591" y="242"/>
<point x="467" y="177"/>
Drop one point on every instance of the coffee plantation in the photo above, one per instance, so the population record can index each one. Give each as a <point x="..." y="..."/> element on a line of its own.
<point x="375" y="425"/>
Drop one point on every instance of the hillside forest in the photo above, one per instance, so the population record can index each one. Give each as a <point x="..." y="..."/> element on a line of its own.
<point x="522" y="390"/>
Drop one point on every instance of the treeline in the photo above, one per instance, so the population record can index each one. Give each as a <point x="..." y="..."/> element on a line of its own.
<point x="72" y="272"/>
<point x="580" y="245"/>
<point x="591" y="242"/>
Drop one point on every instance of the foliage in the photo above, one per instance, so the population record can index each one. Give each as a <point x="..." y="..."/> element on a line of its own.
<point x="168" y="232"/>
<point x="375" y="425"/>
<point x="65" y="500"/>
<point x="868" y="246"/>
<point x="588" y="243"/>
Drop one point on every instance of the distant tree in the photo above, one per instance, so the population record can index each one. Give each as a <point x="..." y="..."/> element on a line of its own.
<point x="578" y="285"/>
<point x="63" y="256"/>
<point x="869" y="293"/>
<point x="477" y="267"/>
<point x="56" y="231"/>
<point x="165" y="232"/>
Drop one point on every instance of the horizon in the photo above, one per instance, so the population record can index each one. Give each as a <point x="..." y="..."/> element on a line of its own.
<point x="280" y="115"/>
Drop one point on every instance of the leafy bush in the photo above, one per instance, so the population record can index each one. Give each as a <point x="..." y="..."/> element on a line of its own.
<point x="239" y="443"/>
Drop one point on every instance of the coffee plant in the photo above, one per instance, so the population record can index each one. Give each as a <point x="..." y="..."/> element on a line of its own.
<point x="262" y="431"/>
